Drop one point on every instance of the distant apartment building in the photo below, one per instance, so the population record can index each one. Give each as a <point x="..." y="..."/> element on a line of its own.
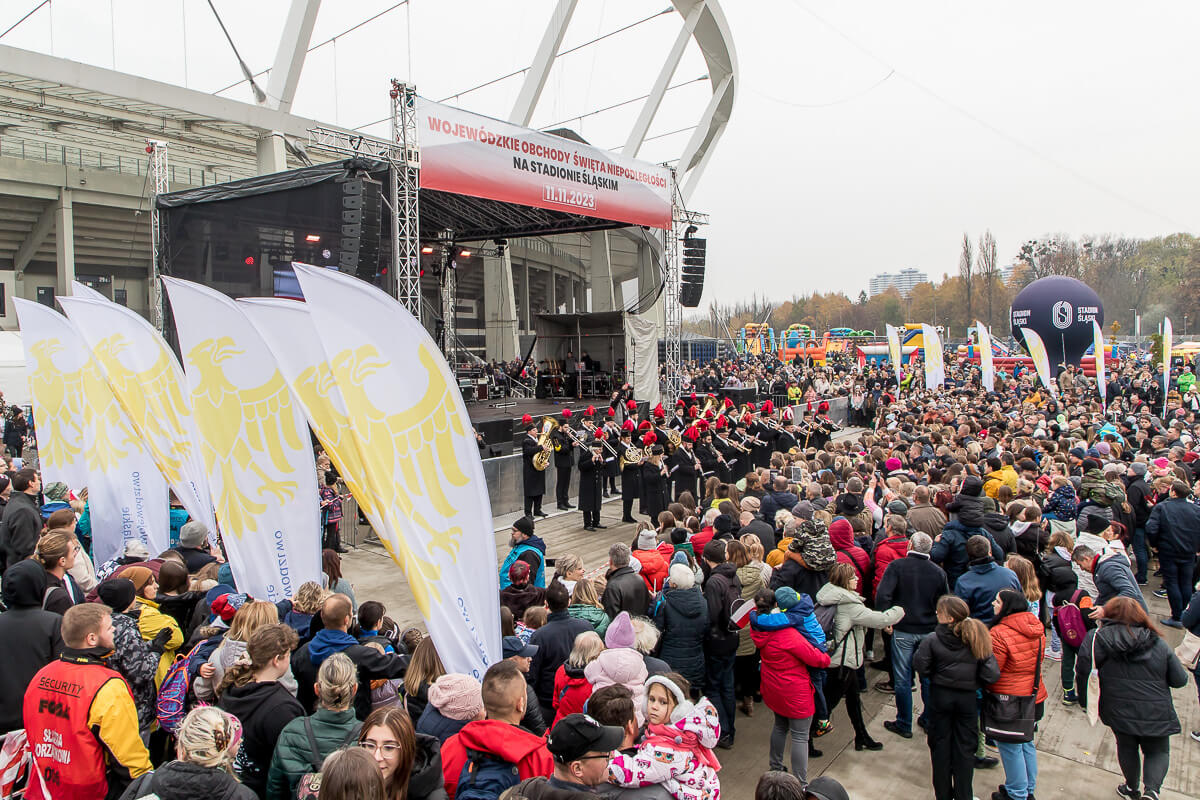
<point x="902" y="281"/>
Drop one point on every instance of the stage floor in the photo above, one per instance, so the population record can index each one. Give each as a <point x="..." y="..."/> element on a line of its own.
<point x="481" y="412"/>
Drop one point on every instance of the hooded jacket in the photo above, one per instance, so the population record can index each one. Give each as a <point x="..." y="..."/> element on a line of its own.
<point x="511" y="743"/>
<point x="676" y="755"/>
<point x="997" y="525"/>
<point x="979" y="585"/>
<point x="370" y="662"/>
<point x="593" y="615"/>
<point x="786" y="656"/>
<point x="950" y="551"/>
<point x="137" y="663"/>
<point x="571" y="691"/>
<point x="29" y="638"/>
<point x="1005" y="476"/>
<point x="683" y="619"/>
<point x="293" y="755"/>
<point x="1114" y="578"/>
<point x="841" y="536"/>
<point x="850" y="622"/>
<point x="519" y="598"/>
<point x="722" y="584"/>
<point x="751" y="579"/>
<point x="20" y="528"/>
<point x="1017" y="641"/>
<point x="426" y="781"/>
<point x="946" y="661"/>
<point x="264" y="708"/>
<point x="887" y="551"/>
<point x="183" y="780"/>
<point x="1137" y="672"/>
<point x="622" y="666"/>
<point x="654" y="569"/>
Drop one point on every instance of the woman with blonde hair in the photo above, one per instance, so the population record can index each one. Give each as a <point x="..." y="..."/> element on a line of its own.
<point x="206" y="745"/>
<point x="331" y="727"/>
<point x="568" y="568"/>
<point x="585" y="605"/>
<point x="56" y="552"/>
<point x="758" y="554"/>
<point x="571" y="687"/>
<point x="253" y="614"/>
<point x="304" y="606"/>
<point x="251" y="691"/>
<point x="424" y="668"/>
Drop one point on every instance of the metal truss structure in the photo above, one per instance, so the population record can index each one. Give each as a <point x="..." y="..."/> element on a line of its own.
<point x="403" y="156"/>
<point x="159" y="171"/>
<point x="672" y="311"/>
<point x="404" y="185"/>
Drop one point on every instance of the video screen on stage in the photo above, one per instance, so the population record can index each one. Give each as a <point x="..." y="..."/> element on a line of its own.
<point x="242" y="237"/>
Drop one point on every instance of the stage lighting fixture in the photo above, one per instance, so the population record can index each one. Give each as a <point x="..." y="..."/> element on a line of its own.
<point x="249" y="261"/>
<point x="465" y="253"/>
<point x="313" y="238"/>
<point x="427" y="250"/>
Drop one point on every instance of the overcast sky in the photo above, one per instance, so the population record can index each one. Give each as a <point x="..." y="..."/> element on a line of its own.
<point x="866" y="136"/>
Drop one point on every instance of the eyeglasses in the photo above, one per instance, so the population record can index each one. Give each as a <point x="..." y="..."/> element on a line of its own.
<point x="387" y="748"/>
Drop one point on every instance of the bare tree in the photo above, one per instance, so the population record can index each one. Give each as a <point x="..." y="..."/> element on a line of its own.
<point x="1052" y="255"/>
<point x="988" y="269"/>
<point x="966" y="268"/>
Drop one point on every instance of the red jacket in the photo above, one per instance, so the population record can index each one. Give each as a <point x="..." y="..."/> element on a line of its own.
<point x="786" y="656"/>
<point x="509" y="742"/>
<point x="841" y="536"/>
<point x="654" y="569"/>
<point x="570" y="693"/>
<point x="700" y="539"/>
<point x="1017" y="640"/>
<point x="886" y="552"/>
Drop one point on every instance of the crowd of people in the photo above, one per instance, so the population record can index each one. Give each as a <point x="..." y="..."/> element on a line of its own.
<point x="952" y="548"/>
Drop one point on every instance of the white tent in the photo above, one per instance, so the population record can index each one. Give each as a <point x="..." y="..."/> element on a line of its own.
<point x="12" y="369"/>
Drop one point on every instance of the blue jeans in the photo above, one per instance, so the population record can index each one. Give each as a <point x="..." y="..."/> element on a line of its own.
<point x="904" y="646"/>
<point x="1141" y="553"/>
<point x="718" y="688"/>
<point x="1177" y="580"/>
<point x="1020" y="768"/>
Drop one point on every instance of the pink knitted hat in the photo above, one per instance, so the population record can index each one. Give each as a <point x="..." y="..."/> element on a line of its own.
<point x="620" y="633"/>
<point x="457" y="696"/>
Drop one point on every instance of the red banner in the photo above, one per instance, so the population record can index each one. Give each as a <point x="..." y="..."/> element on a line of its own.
<point x="477" y="156"/>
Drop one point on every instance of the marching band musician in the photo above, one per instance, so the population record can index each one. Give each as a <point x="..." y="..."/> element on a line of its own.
<point x="732" y="457"/>
<point x="679" y="420"/>
<point x="532" y="479"/>
<point x="759" y="431"/>
<point x="824" y="426"/>
<point x="612" y="432"/>
<point x="655" y="480"/>
<point x="661" y="428"/>
<point x="711" y="461"/>
<point x="786" y="439"/>
<point x="591" y="482"/>
<point x="587" y="421"/>
<point x="631" y="473"/>
<point x="564" y="460"/>
<point x="811" y="432"/>
<point x="684" y="466"/>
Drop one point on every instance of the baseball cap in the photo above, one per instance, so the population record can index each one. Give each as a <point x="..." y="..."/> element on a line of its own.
<point x="576" y="735"/>
<point x="515" y="646"/>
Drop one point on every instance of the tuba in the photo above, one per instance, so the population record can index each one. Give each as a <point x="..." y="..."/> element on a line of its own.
<point x="541" y="460"/>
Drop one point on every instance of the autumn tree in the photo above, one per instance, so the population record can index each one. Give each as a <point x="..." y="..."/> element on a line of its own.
<point x="966" y="269"/>
<point x="989" y="270"/>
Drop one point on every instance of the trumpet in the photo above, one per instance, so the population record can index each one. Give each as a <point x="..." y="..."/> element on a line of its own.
<point x="542" y="460"/>
<point x="733" y="444"/>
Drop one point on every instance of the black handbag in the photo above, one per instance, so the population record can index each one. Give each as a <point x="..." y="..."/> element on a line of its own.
<point x="1012" y="718"/>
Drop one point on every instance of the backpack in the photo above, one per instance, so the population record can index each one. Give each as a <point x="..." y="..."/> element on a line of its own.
<point x="314" y="752"/>
<point x="485" y="777"/>
<point x="1068" y="619"/>
<point x="171" y="705"/>
<point x="825" y="617"/>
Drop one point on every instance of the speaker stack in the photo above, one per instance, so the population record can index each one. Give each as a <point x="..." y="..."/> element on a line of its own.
<point x="362" y="228"/>
<point x="695" y="252"/>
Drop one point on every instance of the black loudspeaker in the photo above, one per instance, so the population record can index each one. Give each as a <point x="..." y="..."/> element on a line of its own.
<point x="362" y="228"/>
<point x="691" y="286"/>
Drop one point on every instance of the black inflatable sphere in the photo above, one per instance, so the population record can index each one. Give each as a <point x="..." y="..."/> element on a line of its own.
<point x="1060" y="310"/>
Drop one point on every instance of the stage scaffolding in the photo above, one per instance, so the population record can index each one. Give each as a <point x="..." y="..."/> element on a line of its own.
<point x="158" y="170"/>
<point x="403" y="156"/>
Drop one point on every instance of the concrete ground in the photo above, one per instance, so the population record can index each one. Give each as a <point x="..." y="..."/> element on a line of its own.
<point x="1075" y="760"/>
